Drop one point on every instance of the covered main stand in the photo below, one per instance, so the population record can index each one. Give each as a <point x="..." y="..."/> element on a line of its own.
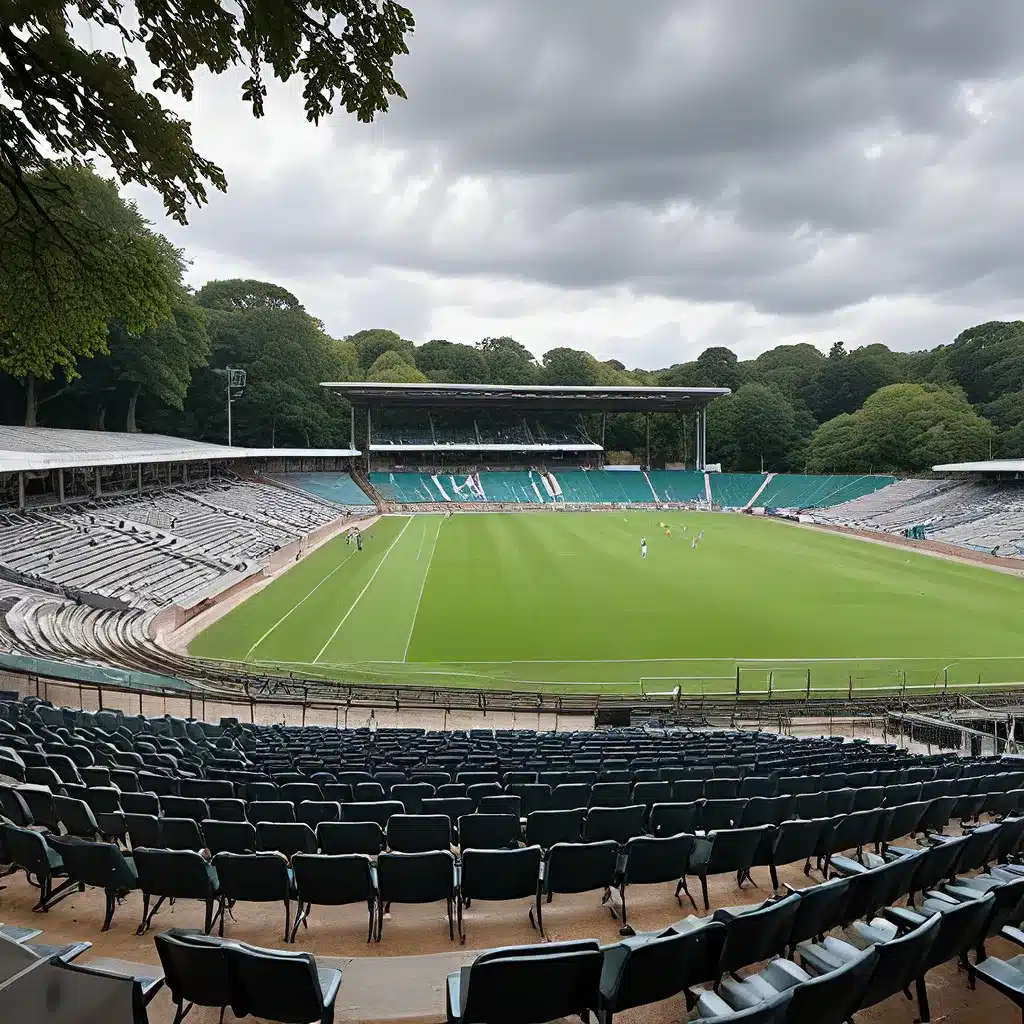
<point x="502" y="418"/>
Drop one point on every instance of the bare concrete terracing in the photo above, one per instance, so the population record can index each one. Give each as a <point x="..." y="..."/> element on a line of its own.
<point x="402" y="978"/>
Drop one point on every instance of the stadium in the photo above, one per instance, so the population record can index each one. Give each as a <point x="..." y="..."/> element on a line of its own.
<point x="470" y="662"/>
<point x="499" y="559"/>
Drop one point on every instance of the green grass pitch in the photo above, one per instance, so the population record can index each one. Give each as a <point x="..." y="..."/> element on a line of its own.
<point x="563" y="601"/>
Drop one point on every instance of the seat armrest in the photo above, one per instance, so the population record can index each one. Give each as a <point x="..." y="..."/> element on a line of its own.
<point x="817" y="958"/>
<point x="902" y="917"/>
<point x="846" y="866"/>
<point x="453" y="996"/>
<point x="330" y="981"/>
<point x="783" y="974"/>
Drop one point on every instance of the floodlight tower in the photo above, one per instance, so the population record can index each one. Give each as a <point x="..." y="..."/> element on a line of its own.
<point x="235" y="389"/>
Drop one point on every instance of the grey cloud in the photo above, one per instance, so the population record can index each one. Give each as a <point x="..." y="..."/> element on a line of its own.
<point x="710" y="152"/>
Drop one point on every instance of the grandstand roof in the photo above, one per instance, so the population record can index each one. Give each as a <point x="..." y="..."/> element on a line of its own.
<point x="41" y="448"/>
<point x="989" y="466"/>
<point x="537" y="396"/>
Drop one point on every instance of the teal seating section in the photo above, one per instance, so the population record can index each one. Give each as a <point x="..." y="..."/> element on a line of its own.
<point x="596" y="487"/>
<point x="458" y="487"/>
<point x="337" y="487"/>
<point x="791" y="490"/>
<point x="514" y="488"/>
<point x="678" y="484"/>
<point x="603" y="487"/>
<point x="734" y="490"/>
<point x="406" y="488"/>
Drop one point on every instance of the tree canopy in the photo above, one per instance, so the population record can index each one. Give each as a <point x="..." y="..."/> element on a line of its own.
<point x="91" y="261"/>
<point x="755" y="426"/>
<point x="902" y="428"/>
<point x="68" y="97"/>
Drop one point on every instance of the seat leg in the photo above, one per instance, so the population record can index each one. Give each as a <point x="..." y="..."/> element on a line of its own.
<point x="111" y="900"/>
<point x="704" y="891"/>
<point x="220" y="926"/>
<point x="451" y="926"/>
<point x="625" y="929"/>
<point x="922" y="1001"/>
<point x="775" y="876"/>
<point x="44" y="895"/>
<point x="301" y="914"/>
<point x="538" y="921"/>
<point x="287" y="918"/>
<point x="182" y="1011"/>
<point x="458" y="911"/>
<point x="682" y="885"/>
<point x="371" y="906"/>
<point x="147" y="914"/>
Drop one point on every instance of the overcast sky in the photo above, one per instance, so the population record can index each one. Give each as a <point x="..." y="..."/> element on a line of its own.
<point x="645" y="179"/>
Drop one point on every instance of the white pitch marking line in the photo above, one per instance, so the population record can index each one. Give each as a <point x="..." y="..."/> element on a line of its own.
<point x="422" y="539"/>
<point x="248" y="654"/>
<point x="359" y="596"/>
<point x="423" y="585"/>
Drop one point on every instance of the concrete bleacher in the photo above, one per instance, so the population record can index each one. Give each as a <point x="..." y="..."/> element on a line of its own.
<point x="978" y="515"/>
<point x="158" y="549"/>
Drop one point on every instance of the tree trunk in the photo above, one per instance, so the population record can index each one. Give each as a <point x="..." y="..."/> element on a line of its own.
<point x="273" y="432"/>
<point x="31" y="403"/>
<point x="99" y="417"/>
<point x="130" y="426"/>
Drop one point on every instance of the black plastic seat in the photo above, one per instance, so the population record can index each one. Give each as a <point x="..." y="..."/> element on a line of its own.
<point x="721" y="814"/>
<point x="101" y="865"/>
<point x="379" y="811"/>
<point x="569" y="795"/>
<point x="411" y="795"/>
<point x="282" y="986"/>
<point x="526" y="984"/>
<point x="334" y="880"/>
<point x="635" y="975"/>
<point x="673" y="818"/>
<point x="416" y="878"/>
<point x="269" y="810"/>
<point x="648" y="860"/>
<point x="339" y="837"/>
<point x="42" y="864"/>
<point x="618" y="823"/>
<point x="489" y="831"/>
<point x="729" y="850"/>
<point x="576" y="867"/>
<point x="180" y="834"/>
<point x="533" y="796"/>
<point x="253" y="878"/>
<point x="417" y="833"/>
<point x="312" y="812"/>
<point x="829" y="998"/>
<point x="229" y="836"/>
<point x="184" y="807"/>
<point x="610" y="794"/>
<point x="821" y="908"/>
<point x="195" y="970"/>
<point x="545" y="828"/>
<point x="299" y="792"/>
<point x="900" y="961"/>
<point x="753" y="935"/>
<point x="175" y="874"/>
<point x="497" y="874"/>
